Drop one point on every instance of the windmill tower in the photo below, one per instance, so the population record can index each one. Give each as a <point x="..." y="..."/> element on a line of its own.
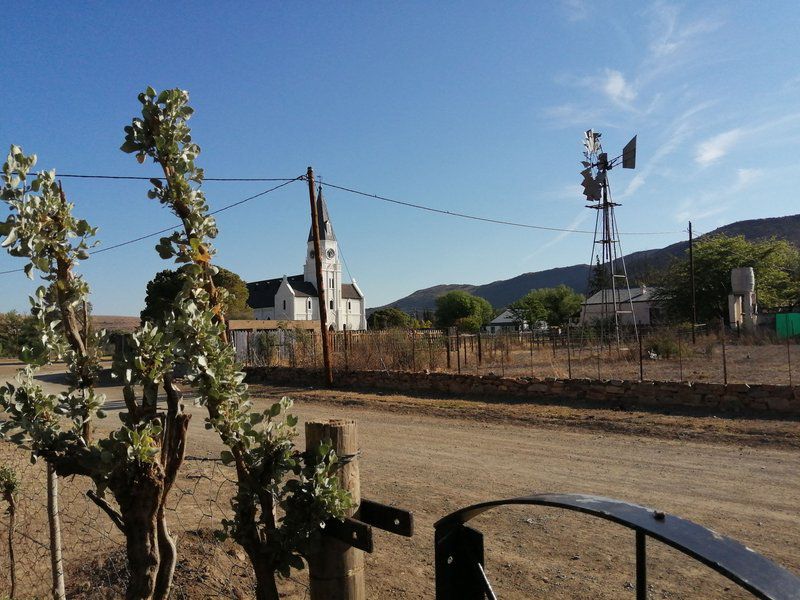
<point x="616" y="299"/>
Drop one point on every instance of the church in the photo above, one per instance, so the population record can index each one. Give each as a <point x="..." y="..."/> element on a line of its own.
<point x="295" y="298"/>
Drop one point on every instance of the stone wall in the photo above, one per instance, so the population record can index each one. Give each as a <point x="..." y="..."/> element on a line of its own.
<point x="613" y="393"/>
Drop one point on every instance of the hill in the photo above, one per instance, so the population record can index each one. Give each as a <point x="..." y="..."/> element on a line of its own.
<point x="641" y="265"/>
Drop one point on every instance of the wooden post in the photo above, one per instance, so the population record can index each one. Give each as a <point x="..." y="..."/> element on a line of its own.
<point x="641" y="359"/>
<point x="480" y="350"/>
<point x="336" y="570"/>
<point x="465" y="351"/>
<point x="413" y="350"/>
<point x="789" y="351"/>
<point x="680" y="358"/>
<point x="54" y="520"/>
<point x="531" y="350"/>
<point x="430" y="350"/>
<point x="569" y="355"/>
<point x="502" y="363"/>
<point x="724" y="355"/>
<point x="447" y="347"/>
<point x="458" y="351"/>
<point x="323" y="307"/>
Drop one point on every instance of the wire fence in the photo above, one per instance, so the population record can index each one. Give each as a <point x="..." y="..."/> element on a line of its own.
<point x="94" y="549"/>
<point x="712" y="354"/>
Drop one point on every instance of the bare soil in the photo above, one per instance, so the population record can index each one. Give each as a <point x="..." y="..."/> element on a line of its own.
<point x="433" y="455"/>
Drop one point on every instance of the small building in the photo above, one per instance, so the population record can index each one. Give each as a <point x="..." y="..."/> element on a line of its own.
<point x="505" y="321"/>
<point x="645" y="312"/>
<point x="295" y="298"/>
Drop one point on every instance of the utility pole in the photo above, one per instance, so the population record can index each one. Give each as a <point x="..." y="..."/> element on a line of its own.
<point x="691" y="271"/>
<point x="323" y="307"/>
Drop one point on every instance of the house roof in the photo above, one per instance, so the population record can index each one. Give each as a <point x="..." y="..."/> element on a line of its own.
<point x="262" y="293"/>
<point x="323" y="221"/>
<point x="638" y="294"/>
<point x="504" y="318"/>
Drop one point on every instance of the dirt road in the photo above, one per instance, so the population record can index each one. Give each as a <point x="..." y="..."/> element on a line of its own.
<point x="432" y="465"/>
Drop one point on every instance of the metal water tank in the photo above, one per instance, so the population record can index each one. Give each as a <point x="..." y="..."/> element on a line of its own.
<point x="743" y="280"/>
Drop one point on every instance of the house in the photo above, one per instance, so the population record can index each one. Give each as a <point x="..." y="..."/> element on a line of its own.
<point x="602" y="303"/>
<point x="295" y="298"/>
<point x="505" y="321"/>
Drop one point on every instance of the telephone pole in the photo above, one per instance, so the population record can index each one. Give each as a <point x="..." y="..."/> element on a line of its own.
<point x="691" y="275"/>
<point x="323" y="307"/>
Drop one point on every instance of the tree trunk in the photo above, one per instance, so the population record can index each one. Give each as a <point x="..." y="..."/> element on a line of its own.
<point x="266" y="588"/>
<point x="12" y="564"/>
<point x="138" y="493"/>
<point x="168" y="558"/>
<point x="54" y="521"/>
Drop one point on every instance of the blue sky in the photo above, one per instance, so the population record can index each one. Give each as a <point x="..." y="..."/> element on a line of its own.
<point x="476" y="107"/>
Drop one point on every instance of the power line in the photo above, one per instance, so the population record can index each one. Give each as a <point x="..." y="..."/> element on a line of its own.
<point x="483" y="219"/>
<point x="168" y="229"/>
<point x="143" y="178"/>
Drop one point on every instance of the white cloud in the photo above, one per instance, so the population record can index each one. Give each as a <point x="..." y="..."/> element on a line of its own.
<point x="637" y="182"/>
<point x="716" y="147"/>
<point x="745" y="177"/>
<point x="618" y="90"/>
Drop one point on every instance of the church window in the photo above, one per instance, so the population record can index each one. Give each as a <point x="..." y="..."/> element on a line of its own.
<point x="330" y="282"/>
<point x="331" y="304"/>
<point x="348" y="305"/>
<point x="309" y="304"/>
<point x="284" y="305"/>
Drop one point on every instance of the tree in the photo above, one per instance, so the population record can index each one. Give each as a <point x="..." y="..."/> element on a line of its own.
<point x="776" y="264"/>
<point x="528" y="309"/>
<point x="389" y="318"/>
<point x="555" y="305"/>
<point x="600" y="278"/>
<point x="463" y="310"/>
<point x="270" y="471"/>
<point x="16" y="332"/>
<point x="166" y="286"/>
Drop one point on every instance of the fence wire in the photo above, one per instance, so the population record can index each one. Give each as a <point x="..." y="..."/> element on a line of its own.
<point x="94" y="549"/>
<point x="712" y="355"/>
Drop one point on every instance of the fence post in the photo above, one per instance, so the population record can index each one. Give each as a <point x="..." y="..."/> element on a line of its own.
<point x="465" y="352"/>
<point x="480" y="350"/>
<point x="413" y="350"/>
<point x="458" y="351"/>
<point x="789" y="351"/>
<point x="54" y="518"/>
<point x="336" y="570"/>
<point x="680" y="357"/>
<point x="569" y="355"/>
<point x="724" y="355"/>
<point x="447" y="347"/>
<point x="430" y="350"/>
<point x="641" y="359"/>
<point x="531" y="349"/>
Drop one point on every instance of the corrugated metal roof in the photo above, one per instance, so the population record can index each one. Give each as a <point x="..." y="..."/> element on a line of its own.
<point x="638" y="294"/>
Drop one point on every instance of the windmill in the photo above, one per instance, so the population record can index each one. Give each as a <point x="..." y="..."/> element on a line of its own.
<point x="615" y="301"/>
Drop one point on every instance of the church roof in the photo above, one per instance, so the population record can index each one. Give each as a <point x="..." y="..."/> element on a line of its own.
<point x="323" y="220"/>
<point x="262" y="293"/>
<point x="349" y="291"/>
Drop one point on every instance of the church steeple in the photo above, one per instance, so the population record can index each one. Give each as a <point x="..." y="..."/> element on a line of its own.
<point x="323" y="220"/>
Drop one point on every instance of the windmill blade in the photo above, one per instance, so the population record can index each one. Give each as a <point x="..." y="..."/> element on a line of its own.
<point x="629" y="154"/>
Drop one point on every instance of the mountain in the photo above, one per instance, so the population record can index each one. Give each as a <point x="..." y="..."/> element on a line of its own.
<point x="639" y="264"/>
